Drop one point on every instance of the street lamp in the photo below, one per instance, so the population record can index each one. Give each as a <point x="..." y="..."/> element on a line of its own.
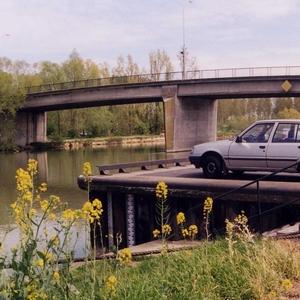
<point x="183" y="40"/>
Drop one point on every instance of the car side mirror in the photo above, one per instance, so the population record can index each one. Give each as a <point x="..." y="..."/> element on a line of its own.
<point x="238" y="139"/>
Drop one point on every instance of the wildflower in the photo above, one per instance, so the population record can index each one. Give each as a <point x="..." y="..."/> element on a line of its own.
<point x="156" y="233"/>
<point x="32" y="166"/>
<point x="110" y="285"/>
<point x="43" y="187"/>
<point x="272" y="295"/>
<point x="241" y="219"/>
<point x="184" y="232"/>
<point x="87" y="170"/>
<point x="39" y="263"/>
<point x="166" y="229"/>
<point x="68" y="215"/>
<point x="52" y="217"/>
<point x="180" y="218"/>
<point x="56" y="275"/>
<point x="44" y="205"/>
<point x="207" y="208"/>
<point x="92" y="210"/>
<point x="125" y="256"/>
<point x="286" y="284"/>
<point x="54" y="240"/>
<point x="161" y="190"/>
<point x="193" y="230"/>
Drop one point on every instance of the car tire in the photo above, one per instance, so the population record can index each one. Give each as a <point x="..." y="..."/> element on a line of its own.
<point x="212" y="167"/>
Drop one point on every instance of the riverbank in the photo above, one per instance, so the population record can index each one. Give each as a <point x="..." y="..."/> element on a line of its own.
<point x="70" y="144"/>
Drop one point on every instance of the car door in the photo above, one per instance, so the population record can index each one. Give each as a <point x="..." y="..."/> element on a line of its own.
<point x="249" y="150"/>
<point x="284" y="149"/>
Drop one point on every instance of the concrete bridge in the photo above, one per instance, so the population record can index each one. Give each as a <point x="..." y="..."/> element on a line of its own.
<point x="190" y="105"/>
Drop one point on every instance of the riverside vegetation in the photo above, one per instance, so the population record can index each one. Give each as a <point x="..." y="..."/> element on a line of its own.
<point x="40" y="266"/>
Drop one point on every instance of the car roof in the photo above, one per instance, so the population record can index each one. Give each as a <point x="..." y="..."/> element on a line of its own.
<point x="279" y="120"/>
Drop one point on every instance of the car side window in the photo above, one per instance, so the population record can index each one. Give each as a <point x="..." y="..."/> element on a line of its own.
<point x="259" y="133"/>
<point x="285" y="133"/>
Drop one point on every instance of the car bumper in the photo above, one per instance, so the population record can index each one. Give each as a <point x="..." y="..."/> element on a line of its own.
<point x="195" y="160"/>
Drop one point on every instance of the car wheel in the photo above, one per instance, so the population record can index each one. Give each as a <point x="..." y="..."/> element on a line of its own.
<point x="212" y="167"/>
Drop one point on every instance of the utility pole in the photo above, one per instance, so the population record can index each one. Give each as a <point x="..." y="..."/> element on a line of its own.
<point x="183" y="42"/>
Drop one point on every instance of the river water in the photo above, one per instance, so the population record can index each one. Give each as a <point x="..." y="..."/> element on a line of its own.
<point x="60" y="170"/>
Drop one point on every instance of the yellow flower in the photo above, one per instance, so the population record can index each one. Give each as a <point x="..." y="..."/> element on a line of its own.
<point x="52" y="217"/>
<point x="156" y="233"/>
<point x="68" y="215"/>
<point x="193" y="230"/>
<point x="166" y="229"/>
<point x="272" y="295"/>
<point x="56" y="276"/>
<point x="43" y="187"/>
<point x="286" y="284"/>
<point x="87" y="170"/>
<point x="184" y="232"/>
<point x="180" y="218"/>
<point x="207" y="208"/>
<point x="110" y="285"/>
<point x="32" y="166"/>
<point x="39" y="263"/>
<point x="54" y="240"/>
<point x="92" y="210"/>
<point x="44" y="205"/>
<point x="125" y="256"/>
<point x="161" y="190"/>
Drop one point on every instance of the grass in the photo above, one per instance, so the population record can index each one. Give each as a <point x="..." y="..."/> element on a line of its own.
<point x="257" y="270"/>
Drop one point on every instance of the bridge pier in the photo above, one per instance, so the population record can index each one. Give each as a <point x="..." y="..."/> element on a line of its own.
<point x="31" y="127"/>
<point x="188" y="120"/>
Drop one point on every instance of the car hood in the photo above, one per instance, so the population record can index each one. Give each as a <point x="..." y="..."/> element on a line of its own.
<point x="217" y="146"/>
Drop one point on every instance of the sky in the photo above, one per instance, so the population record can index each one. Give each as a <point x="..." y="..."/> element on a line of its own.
<point x="218" y="33"/>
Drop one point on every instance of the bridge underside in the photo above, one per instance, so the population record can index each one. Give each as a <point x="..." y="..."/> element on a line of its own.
<point x="188" y="121"/>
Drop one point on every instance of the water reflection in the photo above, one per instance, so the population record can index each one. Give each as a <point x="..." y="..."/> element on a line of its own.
<point x="60" y="169"/>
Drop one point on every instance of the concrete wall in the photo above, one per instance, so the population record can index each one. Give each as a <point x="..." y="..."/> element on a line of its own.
<point x="31" y="127"/>
<point x="188" y="120"/>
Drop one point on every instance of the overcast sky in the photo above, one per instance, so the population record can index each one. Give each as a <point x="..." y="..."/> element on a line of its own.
<point x="219" y="33"/>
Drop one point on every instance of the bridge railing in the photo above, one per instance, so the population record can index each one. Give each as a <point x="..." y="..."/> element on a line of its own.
<point x="157" y="77"/>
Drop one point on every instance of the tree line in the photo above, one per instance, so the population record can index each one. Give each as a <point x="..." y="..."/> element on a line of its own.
<point x="131" y="119"/>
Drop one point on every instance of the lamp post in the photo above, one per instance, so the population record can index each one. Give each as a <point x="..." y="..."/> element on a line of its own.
<point x="183" y="42"/>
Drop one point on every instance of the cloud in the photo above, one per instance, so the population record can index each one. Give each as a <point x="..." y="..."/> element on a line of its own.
<point x="217" y="32"/>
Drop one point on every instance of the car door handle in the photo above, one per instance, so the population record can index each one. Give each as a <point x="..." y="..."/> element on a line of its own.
<point x="263" y="147"/>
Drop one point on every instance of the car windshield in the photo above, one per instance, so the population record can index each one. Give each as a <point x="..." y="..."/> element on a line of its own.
<point x="258" y="133"/>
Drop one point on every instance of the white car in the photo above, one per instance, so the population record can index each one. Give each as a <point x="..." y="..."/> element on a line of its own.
<point x="267" y="145"/>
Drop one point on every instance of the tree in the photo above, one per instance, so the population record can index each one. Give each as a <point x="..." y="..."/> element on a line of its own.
<point x="159" y="63"/>
<point x="289" y="113"/>
<point x="12" y="96"/>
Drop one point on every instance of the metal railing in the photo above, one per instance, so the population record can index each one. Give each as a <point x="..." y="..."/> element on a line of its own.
<point x="159" y="77"/>
<point x="260" y="213"/>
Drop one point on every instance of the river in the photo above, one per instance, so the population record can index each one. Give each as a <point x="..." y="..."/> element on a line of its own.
<point x="60" y="169"/>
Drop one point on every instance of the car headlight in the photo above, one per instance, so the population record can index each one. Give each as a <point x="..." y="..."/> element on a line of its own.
<point x="192" y="151"/>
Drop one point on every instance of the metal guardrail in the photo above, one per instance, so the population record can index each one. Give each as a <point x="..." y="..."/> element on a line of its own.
<point x="260" y="212"/>
<point x="159" y="77"/>
<point x="161" y="163"/>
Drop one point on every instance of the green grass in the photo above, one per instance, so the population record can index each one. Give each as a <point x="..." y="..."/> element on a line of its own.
<point x="210" y="271"/>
